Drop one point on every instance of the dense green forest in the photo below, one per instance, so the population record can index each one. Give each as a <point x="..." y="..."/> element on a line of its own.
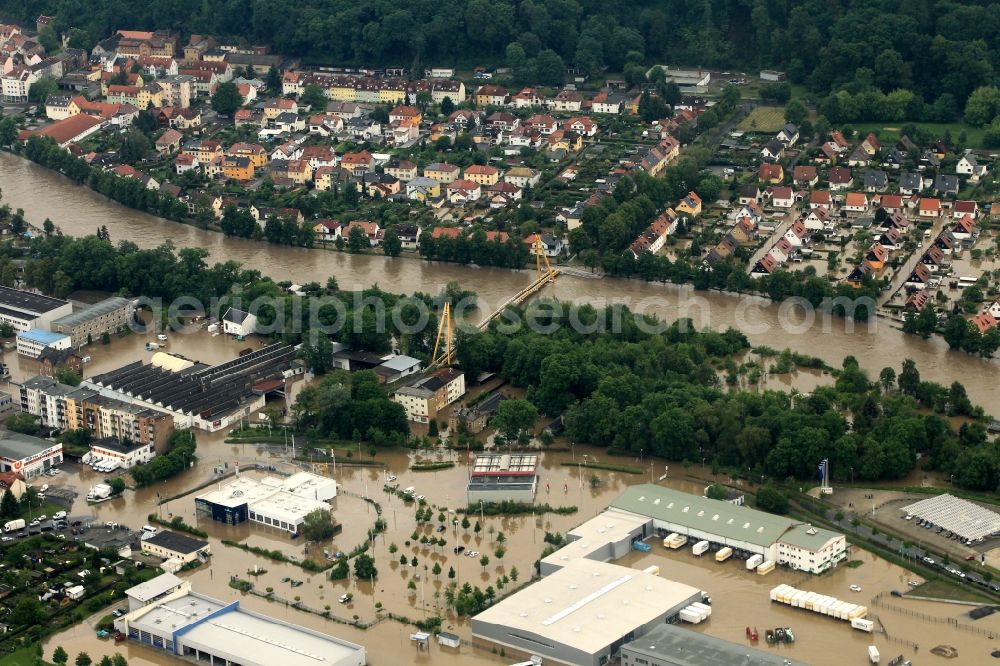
<point x="676" y="392"/>
<point x="932" y="48"/>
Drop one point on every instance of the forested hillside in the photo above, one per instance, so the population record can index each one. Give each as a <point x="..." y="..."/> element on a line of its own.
<point x="930" y="47"/>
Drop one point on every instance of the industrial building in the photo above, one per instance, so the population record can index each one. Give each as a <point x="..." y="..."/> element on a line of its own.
<point x="174" y="548"/>
<point x="199" y="628"/>
<point x="582" y="613"/>
<point x="426" y="397"/>
<point x="32" y="342"/>
<point x="206" y="397"/>
<point x="506" y="477"/>
<point x="148" y="593"/>
<point x="604" y="538"/>
<point x="968" y="520"/>
<point x="125" y="452"/>
<point x="777" y="539"/>
<point x="93" y="321"/>
<point x="669" y="645"/>
<point x="279" y="503"/>
<point x="29" y="456"/>
<point x="25" y="310"/>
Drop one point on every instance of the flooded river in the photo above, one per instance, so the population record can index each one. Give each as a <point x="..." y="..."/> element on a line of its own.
<point x="77" y="211"/>
<point x="740" y="598"/>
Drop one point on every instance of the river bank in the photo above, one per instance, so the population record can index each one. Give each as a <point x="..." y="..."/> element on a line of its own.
<point x="78" y="211"/>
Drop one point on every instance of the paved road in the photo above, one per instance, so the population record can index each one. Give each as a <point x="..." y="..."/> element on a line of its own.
<point x="917" y="554"/>
<point x="904" y="271"/>
<point x="779" y="231"/>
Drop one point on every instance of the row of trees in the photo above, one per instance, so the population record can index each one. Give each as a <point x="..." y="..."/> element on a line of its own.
<point x="475" y="248"/>
<point x="126" y="191"/>
<point x="930" y="49"/>
<point x="662" y="393"/>
<point x="59" y="265"/>
<point x="179" y="457"/>
<point x="351" y="406"/>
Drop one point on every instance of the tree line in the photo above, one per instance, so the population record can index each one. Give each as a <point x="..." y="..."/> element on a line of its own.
<point x="676" y="393"/>
<point x="179" y="457"/>
<point x="475" y="248"/>
<point x="126" y="191"/>
<point x="929" y="49"/>
<point x="352" y="407"/>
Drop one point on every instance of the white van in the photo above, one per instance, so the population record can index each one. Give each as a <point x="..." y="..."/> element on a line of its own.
<point x="149" y="529"/>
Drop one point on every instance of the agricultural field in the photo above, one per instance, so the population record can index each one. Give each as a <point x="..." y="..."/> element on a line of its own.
<point x="764" y="119"/>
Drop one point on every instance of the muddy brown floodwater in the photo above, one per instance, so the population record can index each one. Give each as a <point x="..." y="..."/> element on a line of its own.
<point x="740" y="599"/>
<point x="78" y="211"/>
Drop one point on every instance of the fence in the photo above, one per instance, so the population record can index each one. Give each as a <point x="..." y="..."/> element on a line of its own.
<point x="878" y="601"/>
<point x="889" y="637"/>
<point x="270" y="596"/>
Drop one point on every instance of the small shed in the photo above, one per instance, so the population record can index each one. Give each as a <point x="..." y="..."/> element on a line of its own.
<point x="76" y="592"/>
<point x="422" y="639"/>
<point x="449" y="640"/>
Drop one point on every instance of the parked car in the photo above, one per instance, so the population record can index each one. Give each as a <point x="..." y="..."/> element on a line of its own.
<point x="345" y="598"/>
<point x="855" y="588"/>
<point x="459" y="549"/>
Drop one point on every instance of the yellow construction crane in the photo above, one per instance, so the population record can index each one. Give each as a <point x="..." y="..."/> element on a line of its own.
<point x="445" y="326"/>
<point x="540" y="257"/>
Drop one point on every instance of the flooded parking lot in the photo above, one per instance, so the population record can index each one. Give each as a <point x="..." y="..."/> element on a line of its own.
<point x="740" y="599"/>
<point x="566" y="479"/>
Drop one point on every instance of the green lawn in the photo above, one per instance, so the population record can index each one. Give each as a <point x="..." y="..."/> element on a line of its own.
<point x="940" y="589"/>
<point x="22" y="657"/>
<point x="890" y="131"/>
<point x="764" y="119"/>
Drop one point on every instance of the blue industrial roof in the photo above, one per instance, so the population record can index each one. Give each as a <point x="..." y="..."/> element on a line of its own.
<point x="42" y="337"/>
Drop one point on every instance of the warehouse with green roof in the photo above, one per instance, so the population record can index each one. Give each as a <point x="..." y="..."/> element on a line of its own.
<point x="777" y="539"/>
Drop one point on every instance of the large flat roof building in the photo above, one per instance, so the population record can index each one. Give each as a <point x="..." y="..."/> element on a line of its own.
<point x="604" y="538"/>
<point x="280" y="503"/>
<point x="195" y="394"/>
<point x="90" y="323"/>
<point x="583" y="613"/>
<point x="778" y="539"/>
<point x="194" y="626"/>
<point x="503" y="477"/>
<point x="669" y="645"/>
<point x="25" y="309"/>
<point x="27" y="455"/>
<point x="32" y="342"/>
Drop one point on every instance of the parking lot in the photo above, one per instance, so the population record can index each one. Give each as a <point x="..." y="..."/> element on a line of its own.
<point x="76" y="528"/>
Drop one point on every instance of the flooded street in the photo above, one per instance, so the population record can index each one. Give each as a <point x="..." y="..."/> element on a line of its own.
<point x="78" y="211"/>
<point x="739" y="598"/>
